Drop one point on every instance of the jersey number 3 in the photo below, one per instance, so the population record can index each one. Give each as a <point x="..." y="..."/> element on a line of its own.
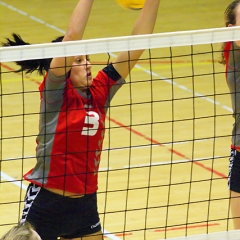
<point x="92" y="121"/>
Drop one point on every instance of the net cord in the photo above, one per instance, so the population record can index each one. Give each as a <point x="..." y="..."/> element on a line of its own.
<point x="119" y="44"/>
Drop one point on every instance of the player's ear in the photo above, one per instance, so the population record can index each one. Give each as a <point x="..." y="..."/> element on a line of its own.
<point x="230" y="25"/>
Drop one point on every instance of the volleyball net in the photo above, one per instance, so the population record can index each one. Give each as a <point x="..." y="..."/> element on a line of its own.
<point x="164" y="164"/>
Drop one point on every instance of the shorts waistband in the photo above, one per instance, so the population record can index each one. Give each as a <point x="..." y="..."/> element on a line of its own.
<point x="64" y="194"/>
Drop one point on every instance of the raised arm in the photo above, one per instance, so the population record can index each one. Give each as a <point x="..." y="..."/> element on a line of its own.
<point x="75" y="31"/>
<point x="144" y="25"/>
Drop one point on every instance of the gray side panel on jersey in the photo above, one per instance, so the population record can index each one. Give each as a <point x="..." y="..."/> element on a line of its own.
<point x="233" y="80"/>
<point x="49" y="111"/>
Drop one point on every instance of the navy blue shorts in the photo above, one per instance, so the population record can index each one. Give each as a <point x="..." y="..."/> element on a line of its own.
<point x="234" y="171"/>
<point x="54" y="216"/>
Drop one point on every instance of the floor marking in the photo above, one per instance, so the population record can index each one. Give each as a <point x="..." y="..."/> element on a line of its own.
<point x="18" y="183"/>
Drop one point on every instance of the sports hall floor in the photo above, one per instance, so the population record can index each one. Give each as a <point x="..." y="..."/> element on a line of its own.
<point x="186" y="140"/>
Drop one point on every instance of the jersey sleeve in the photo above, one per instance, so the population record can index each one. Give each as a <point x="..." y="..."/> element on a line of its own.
<point x="52" y="87"/>
<point x="107" y="83"/>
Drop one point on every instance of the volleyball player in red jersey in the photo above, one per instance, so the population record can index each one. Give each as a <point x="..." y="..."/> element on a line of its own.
<point x="231" y="58"/>
<point x="61" y="198"/>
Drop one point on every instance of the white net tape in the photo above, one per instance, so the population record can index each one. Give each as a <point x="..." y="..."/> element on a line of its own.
<point x="116" y="44"/>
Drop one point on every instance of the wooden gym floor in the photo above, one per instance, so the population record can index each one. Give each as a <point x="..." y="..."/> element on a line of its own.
<point x="192" y="131"/>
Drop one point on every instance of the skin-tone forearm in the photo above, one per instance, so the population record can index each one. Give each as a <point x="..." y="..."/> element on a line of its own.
<point x="78" y="20"/>
<point x="144" y="25"/>
<point x="147" y="18"/>
<point x="75" y="31"/>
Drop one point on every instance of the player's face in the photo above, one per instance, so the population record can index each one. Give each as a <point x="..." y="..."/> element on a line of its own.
<point x="81" y="76"/>
<point x="237" y="14"/>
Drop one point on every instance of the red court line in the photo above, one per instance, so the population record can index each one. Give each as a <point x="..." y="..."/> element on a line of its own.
<point x="187" y="227"/>
<point x="26" y="76"/>
<point x="119" y="235"/>
<point x="7" y="67"/>
<point x="145" y="137"/>
<point x="169" y="149"/>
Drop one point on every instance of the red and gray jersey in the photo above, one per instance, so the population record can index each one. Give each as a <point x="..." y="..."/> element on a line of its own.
<point x="232" y="56"/>
<point x="71" y="132"/>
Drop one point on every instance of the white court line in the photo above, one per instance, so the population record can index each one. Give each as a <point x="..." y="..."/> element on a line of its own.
<point x="4" y="176"/>
<point x="31" y="17"/>
<point x="180" y="86"/>
<point x="167" y="162"/>
<point x="110" y="235"/>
